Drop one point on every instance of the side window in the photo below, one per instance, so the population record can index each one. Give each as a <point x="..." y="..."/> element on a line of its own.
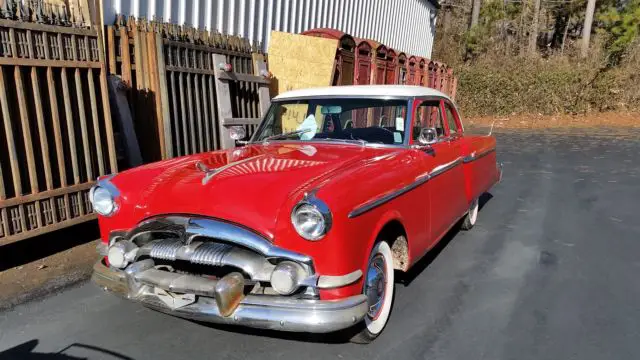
<point x="451" y="119"/>
<point x="428" y="115"/>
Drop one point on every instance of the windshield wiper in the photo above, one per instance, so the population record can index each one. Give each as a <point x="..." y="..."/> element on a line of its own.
<point x="351" y="141"/>
<point x="286" y="135"/>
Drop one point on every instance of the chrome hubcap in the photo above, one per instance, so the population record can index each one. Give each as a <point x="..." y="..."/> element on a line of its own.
<point x="375" y="286"/>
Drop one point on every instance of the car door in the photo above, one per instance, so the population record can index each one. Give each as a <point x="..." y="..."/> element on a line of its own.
<point x="441" y="162"/>
<point x="455" y="139"/>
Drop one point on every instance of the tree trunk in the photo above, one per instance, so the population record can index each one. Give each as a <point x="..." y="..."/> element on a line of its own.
<point x="586" y="29"/>
<point x="446" y="18"/>
<point x="475" y="12"/>
<point x="564" y="36"/>
<point x="533" y="33"/>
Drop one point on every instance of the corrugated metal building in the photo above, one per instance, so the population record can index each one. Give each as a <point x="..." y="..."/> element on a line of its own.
<point x="405" y="25"/>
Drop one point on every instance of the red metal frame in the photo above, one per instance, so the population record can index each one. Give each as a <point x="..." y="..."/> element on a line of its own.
<point x="391" y="72"/>
<point x="363" y="69"/>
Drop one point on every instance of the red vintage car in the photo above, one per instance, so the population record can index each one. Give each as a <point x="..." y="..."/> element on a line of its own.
<point x="302" y="228"/>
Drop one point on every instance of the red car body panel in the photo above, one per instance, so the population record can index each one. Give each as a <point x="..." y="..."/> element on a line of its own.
<point x="265" y="181"/>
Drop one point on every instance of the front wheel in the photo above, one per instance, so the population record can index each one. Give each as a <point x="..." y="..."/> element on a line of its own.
<point x="379" y="288"/>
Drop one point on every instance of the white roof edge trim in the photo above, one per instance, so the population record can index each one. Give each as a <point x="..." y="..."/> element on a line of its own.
<point x="363" y="90"/>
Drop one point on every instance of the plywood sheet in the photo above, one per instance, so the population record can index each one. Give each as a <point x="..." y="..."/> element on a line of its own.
<point x="298" y="62"/>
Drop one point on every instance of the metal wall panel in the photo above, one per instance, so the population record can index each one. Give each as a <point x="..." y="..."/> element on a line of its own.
<point x="405" y="25"/>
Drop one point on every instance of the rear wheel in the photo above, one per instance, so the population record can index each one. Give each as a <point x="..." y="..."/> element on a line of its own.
<point x="379" y="288"/>
<point x="472" y="215"/>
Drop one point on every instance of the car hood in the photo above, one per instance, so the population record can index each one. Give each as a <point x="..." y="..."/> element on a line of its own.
<point x="247" y="185"/>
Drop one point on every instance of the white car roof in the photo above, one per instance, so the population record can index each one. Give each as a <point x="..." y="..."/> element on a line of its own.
<point x="363" y="90"/>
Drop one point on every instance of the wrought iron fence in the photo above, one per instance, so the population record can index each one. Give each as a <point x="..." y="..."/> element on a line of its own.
<point x="174" y="74"/>
<point x="55" y="133"/>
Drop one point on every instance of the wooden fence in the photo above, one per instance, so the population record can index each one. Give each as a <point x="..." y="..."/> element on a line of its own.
<point x="178" y="89"/>
<point x="55" y="129"/>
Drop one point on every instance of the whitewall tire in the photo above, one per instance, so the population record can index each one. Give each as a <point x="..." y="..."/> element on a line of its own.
<point x="379" y="288"/>
<point x="472" y="215"/>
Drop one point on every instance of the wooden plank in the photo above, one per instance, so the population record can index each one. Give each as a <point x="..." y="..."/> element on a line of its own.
<point x="23" y="25"/>
<point x="206" y="115"/>
<point x="241" y="121"/>
<point x="26" y="130"/>
<point x="3" y="194"/>
<point x="111" y="46"/>
<point x="126" y="57"/>
<point x="183" y="113"/>
<point x="190" y="70"/>
<point x="30" y="44"/>
<point x="163" y="94"/>
<point x="35" y="232"/>
<point x="5" y="223"/>
<point x="96" y="121"/>
<point x="192" y="120"/>
<point x="70" y="126"/>
<point x="214" y="113"/>
<point x="42" y="131"/>
<point x="82" y="114"/>
<point x="144" y="51"/>
<point x="52" y="63"/>
<point x="55" y="119"/>
<point x="264" y="98"/>
<point x="175" y="122"/>
<point x="23" y="218"/>
<point x="224" y="105"/>
<point x="196" y="91"/>
<point x="152" y="66"/>
<point x="8" y="130"/>
<point x="234" y="76"/>
<point x="104" y="92"/>
<point x="12" y="43"/>
<point x="137" y="51"/>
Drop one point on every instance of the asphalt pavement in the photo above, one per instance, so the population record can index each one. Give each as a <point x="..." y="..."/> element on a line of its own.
<point x="550" y="271"/>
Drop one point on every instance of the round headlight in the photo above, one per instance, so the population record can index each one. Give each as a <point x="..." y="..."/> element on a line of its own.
<point x="286" y="277"/>
<point x="102" y="201"/>
<point x="309" y="221"/>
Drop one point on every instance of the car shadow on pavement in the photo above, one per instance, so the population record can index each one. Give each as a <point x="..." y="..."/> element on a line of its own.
<point x="407" y="278"/>
<point x="25" y="351"/>
<point x="338" y="337"/>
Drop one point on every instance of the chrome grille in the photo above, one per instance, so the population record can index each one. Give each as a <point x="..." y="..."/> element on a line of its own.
<point x="210" y="254"/>
<point x="166" y="249"/>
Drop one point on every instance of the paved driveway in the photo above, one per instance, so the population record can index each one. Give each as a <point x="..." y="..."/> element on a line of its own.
<point x="549" y="272"/>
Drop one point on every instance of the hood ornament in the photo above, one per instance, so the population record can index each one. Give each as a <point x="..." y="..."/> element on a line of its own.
<point x="210" y="173"/>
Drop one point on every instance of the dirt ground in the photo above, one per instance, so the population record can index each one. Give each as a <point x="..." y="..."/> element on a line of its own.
<point x="47" y="275"/>
<point x="539" y="121"/>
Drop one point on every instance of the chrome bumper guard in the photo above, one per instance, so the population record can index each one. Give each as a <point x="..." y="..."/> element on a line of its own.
<point x="257" y="311"/>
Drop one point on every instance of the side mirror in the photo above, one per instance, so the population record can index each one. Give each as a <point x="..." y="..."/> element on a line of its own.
<point x="428" y="136"/>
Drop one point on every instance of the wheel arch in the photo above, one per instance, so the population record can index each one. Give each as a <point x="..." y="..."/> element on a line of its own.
<point x="390" y="228"/>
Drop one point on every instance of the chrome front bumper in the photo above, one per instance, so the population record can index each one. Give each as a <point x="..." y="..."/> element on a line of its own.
<point x="257" y="311"/>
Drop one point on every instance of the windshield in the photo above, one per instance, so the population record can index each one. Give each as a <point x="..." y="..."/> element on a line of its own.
<point x="376" y="121"/>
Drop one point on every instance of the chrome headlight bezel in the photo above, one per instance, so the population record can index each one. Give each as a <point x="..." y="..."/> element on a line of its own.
<point x="312" y="205"/>
<point x="103" y="200"/>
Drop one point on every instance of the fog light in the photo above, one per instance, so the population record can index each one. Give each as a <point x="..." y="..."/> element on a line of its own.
<point x="121" y="253"/>
<point x="286" y="277"/>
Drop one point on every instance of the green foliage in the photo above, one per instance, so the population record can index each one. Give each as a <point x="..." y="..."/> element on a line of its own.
<point x="522" y="86"/>
<point x="621" y="24"/>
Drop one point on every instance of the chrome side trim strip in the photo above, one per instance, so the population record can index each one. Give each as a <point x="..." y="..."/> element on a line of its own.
<point x="438" y="170"/>
<point x="386" y="198"/>
<point x="332" y="282"/>
<point x="475" y="155"/>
